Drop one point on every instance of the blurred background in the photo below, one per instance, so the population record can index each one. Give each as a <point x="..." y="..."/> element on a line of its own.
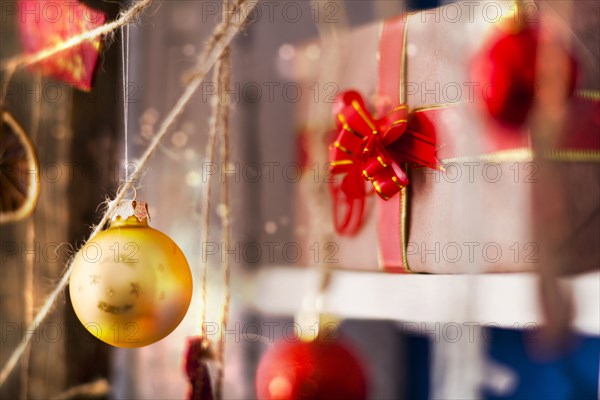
<point x="410" y="333"/>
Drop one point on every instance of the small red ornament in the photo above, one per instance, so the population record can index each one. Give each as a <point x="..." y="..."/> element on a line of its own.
<point x="196" y="369"/>
<point x="507" y="70"/>
<point x="294" y="370"/>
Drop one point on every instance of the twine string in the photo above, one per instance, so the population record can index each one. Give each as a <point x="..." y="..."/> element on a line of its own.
<point x="125" y="68"/>
<point x="214" y="48"/>
<point x="206" y="207"/>
<point x="219" y="123"/>
<point x="224" y="109"/>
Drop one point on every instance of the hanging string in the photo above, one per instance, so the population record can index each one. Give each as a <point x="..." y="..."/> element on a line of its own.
<point x="219" y="123"/>
<point x="125" y="68"/>
<point x="224" y="108"/>
<point x="216" y="125"/>
<point x="215" y="46"/>
<point x="206" y="208"/>
<point x="210" y="156"/>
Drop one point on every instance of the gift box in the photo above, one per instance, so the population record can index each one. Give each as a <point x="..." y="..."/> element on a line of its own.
<point x="423" y="179"/>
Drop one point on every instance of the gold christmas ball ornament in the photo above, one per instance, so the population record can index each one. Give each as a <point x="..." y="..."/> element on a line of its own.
<point x="130" y="285"/>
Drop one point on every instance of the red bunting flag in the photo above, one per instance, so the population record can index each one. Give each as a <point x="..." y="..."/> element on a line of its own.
<point x="44" y="24"/>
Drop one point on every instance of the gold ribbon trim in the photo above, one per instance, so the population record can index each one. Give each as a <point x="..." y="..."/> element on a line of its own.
<point x="512" y="155"/>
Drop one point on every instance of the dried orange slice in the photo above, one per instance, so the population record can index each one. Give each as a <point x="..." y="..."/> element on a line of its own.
<point x="19" y="172"/>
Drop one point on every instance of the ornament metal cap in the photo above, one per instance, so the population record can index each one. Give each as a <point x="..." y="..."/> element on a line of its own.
<point x="131" y="208"/>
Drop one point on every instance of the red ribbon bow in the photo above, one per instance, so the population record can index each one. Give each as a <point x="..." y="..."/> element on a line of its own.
<point x="372" y="149"/>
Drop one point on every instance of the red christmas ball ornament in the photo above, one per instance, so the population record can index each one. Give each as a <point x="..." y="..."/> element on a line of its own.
<point x="310" y="370"/>
<point x="507" y="70"/>
<point x="506" y="73"/>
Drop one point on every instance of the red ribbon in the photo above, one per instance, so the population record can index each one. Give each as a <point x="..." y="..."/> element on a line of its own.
<point x="372" y="149"/>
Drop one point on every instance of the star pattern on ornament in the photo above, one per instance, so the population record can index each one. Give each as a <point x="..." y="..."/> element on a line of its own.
<point x="112" y="309"/>
<point x="135" y="289"/>
<point x="94" y="279"/>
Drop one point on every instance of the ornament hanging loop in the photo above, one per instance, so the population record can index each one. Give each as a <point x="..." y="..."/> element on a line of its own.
<point x="131" y="189"/>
